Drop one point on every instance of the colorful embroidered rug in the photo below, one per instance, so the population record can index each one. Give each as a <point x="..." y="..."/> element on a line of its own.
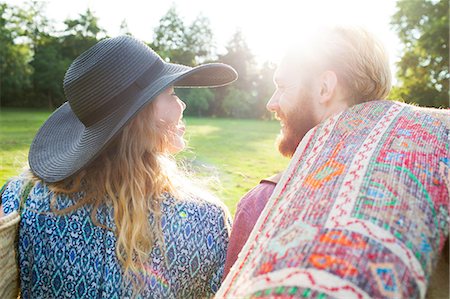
<point x="361" y="212"/>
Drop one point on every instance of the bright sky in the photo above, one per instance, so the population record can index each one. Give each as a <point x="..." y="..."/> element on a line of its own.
<point x="268" y="25"/>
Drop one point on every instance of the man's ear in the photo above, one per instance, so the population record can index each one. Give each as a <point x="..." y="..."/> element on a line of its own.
<point x="328" y="85"/>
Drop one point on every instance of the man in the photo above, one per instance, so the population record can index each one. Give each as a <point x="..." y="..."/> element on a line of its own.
<point x="333" y="71"/>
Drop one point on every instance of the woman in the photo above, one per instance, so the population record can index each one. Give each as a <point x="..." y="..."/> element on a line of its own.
<point x="109" y="215"/>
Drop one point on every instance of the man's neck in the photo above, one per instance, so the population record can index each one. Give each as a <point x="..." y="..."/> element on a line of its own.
<point x="334" y="108"/>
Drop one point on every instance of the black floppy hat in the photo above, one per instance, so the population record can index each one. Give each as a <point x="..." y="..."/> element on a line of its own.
<point x="106" y="87"/>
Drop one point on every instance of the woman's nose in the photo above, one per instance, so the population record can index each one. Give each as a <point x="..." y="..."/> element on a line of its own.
<point x="183" y="104"/>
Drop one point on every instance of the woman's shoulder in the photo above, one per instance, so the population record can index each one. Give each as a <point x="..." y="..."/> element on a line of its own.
<point x="11" y="193"/>
<point x="27" y="190"/>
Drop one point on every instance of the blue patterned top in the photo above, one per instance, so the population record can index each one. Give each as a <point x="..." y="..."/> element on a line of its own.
<point x="68" y="256"/>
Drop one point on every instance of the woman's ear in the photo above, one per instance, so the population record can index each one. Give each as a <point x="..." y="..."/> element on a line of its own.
<point x="328" y="85"/>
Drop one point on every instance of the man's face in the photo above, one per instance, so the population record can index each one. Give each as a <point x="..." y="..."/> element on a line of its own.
<point x="294" y="106"/>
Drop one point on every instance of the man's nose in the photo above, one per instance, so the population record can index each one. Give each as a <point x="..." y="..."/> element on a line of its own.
<point x="272" y="104"/>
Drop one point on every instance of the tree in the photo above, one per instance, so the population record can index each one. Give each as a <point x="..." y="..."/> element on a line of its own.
<point x="34" y="57"/>
<point x="85" y="26"/>
<point x="240" y="58"/>
<point x="199" y="40"/>
<point x="238" y="103"/>
<point x="14" y="69"/>
<point x="53" y="55"/>
<point x="80" y="34"/>
<point x="124" y="30"/>
<point x="49" y="68"/>
<point x="170" y="39"/>
<point x="264" y="89"/>
<point x="197" y="100"/>
<point x="30" y="23"/>
<point x="179" y="43"/>
<point x="33" y="30"/>
<point x="423" y="28"/>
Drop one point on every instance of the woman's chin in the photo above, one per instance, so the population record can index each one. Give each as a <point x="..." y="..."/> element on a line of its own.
<point x="177" y="146"/>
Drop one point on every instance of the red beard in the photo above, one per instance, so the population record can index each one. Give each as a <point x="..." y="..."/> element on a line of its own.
<point x="297" y="123"/>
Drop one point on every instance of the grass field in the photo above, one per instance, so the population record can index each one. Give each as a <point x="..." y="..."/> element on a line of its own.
<point x="232" y="154"/>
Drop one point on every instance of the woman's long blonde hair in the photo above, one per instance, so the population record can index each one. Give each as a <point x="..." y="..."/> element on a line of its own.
<point x="132" y="174"/>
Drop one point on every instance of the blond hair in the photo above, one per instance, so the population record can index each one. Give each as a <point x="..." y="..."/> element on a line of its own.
<point x="358" y="58"/>
<point x="132" y="174"/>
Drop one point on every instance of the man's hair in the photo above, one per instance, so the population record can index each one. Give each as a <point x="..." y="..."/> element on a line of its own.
<point x="357" y="57"/>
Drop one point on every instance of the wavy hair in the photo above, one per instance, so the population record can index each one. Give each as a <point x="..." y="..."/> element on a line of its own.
<point x="132" y="174"/>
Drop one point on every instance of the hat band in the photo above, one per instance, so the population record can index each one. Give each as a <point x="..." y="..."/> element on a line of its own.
<point x="125" y="97"/>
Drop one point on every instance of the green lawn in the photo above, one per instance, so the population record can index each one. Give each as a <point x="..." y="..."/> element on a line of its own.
<point x="17" y="128"/>
<point x="233" y="155"/>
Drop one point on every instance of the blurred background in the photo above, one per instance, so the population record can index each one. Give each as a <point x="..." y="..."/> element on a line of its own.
<point x="230" y="132"/>
<point x="39" y="39"/>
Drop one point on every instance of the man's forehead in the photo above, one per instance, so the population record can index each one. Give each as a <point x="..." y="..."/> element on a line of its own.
<point x="286" y="72"/>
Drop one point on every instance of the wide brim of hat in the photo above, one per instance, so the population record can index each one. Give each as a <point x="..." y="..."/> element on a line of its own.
<point x="63" y="145"/>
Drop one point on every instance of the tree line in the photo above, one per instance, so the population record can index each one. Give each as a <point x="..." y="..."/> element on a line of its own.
<point x="423" y="70"/>
<point x="34" y="57"/>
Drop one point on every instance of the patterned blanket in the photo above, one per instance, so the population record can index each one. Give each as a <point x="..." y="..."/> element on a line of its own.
<point x="361" y="212"/>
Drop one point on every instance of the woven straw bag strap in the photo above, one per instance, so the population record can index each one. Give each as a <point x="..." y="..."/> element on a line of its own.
<point x="23" y="195"/>
<point x="4" y="188"/>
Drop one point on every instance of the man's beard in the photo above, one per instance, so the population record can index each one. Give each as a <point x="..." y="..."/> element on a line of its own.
<point x="297" y="123"/>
